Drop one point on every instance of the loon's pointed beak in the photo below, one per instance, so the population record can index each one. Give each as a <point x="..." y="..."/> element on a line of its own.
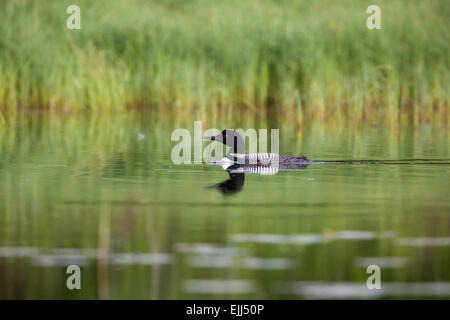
<point x="209" y="138"/>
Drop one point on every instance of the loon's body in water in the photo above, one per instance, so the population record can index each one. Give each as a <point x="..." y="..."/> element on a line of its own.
<point x="237" y="163"/>
<point x="236" y="154"/>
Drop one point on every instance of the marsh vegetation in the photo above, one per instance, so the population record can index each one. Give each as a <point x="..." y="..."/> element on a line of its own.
<point x="86" y="118"/>
<point x="281" y="60"/>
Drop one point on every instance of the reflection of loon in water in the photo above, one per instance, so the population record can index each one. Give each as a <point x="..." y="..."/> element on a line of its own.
<point x="234" y="183"/>
<point x="237" y="164"/>
<point x="237" y="173"/>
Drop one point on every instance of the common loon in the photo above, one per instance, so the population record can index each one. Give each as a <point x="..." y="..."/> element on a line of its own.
<point x="259" y="161"/>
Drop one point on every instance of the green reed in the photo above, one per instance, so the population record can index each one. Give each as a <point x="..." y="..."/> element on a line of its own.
<point x="279" y="60"/>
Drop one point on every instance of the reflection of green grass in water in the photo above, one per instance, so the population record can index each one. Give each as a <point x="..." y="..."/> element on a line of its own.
<point x="91" y="182"/>
<point x="221" y="58"/>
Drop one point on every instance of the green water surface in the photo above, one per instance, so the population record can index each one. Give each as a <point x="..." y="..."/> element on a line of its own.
<point x="103" y="193"/>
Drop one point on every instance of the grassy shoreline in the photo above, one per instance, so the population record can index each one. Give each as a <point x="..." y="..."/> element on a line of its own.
<point x="207" y="59"/>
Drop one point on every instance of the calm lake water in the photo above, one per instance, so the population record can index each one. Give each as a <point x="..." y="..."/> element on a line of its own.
<point x="103" y="194"/>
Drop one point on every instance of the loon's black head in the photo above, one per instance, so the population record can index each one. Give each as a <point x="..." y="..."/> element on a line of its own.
<point x="231" y="138"/>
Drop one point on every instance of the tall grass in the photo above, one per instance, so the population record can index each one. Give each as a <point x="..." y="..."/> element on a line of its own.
<point x="279" y="60"/>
